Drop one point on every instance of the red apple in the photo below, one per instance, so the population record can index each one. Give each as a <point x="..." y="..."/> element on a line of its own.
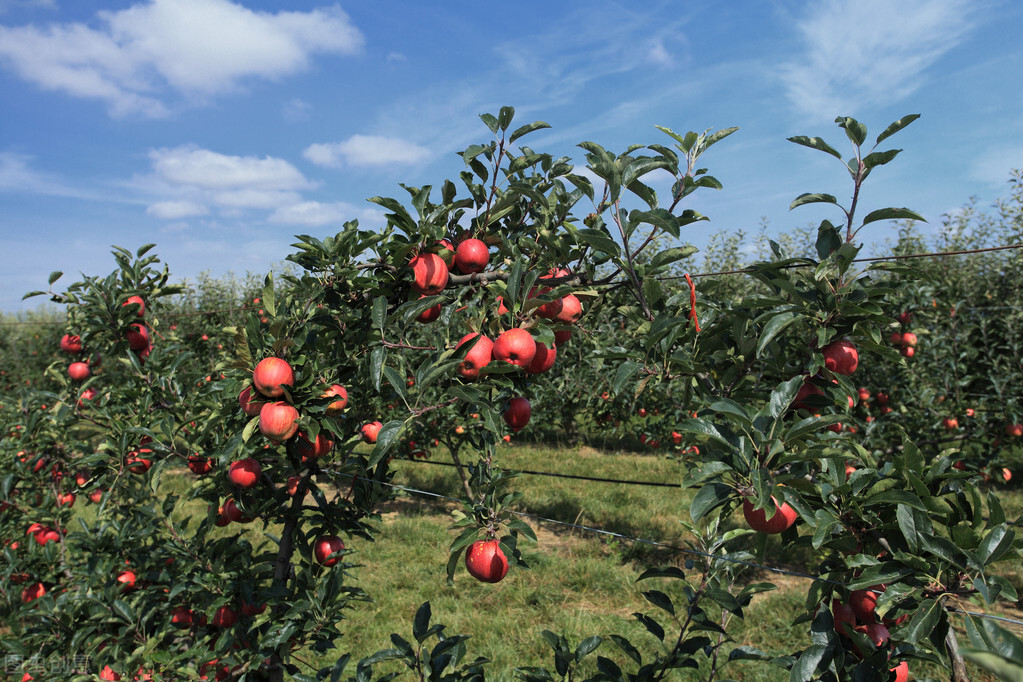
<point x="32" y="592"/>
<point x="543" y="359"/>
<point x="87" y="395"/>
<point x="805" y="391"/>
<point x="181" y="617"/>
<point x="136" y="463"/>
<point x="479" y="355"/>
<point x="325" y="546"/>
<point x="515" y="346"/>
<point x="430" y="314"/>
<point x="370" y="431"/>
<point x="96" y="496"/>
<point x="472" y="255"/>
<point x="486" y="562"/>
<point x="278" y="421"/>
<point x="430" y="273"/>
<point x="311" y="449"/>
<point x="137" y="336"/>
<point x="896" y="339"/>
<point x="863" y="603"/>
<point x="71" y="343"/>
<point x="908" y="351"/>
<point x="1014" y="430"/>
<point x="199" y="464"/>
<point x="561" y="337"/>
<point x="78" y="371"/>
<point x="516" y="413"/>
<point x="272" y="375"/>
<point x="127" y="579"/>
<point x="905" y="318"/>
<point x="908" y="339"/>
<point x="782" y="519"/>
<point x="950" y="423"/>
<point x="293" y="482"/>
<point x="250" y="401"/>
<point x="901" y="672"/>
<point x="136" y="300"/>
<point x="244" y="473"/>
<point x="881" y="398"/>
<point x="841" y="357"/>
<point x="571" y="310"/>
<point x="845" y="619"/>
<point x="249" y="609"/>
<point x="65" y="499"/>
<point x="224" y="617"/>
<point x="341" y="393"/>
<point x="446" y="250"/>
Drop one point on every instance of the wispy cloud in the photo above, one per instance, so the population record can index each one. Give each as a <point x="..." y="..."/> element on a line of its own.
<point x="366" y="150"/>
<point x="863" y="52"/>
<point x="196" y="49"/>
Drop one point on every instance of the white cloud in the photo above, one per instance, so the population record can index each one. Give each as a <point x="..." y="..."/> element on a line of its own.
<point x="175" y="210"/>
<point x="197" y="48"/>
<point x="862" y="52"/>
<point x="657" y="54"/>
<point x="316" y="214"/>
<point x="205" y="169"/>
<point x="396" y="57"/>
<point x="255" y="198"/>
<point x="366" y="150"/>
<point x="297" y="110"/>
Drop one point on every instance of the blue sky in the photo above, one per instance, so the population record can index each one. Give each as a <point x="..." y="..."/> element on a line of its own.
<point x="219" y="129"/>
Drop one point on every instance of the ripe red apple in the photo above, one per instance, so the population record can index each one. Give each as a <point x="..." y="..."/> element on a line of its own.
<point x="278" y="421"/>
<point x="224" y="617"/>
<point x="1006" y="474"/>
<point x="571" y="310"/>
<point x="32" y="592"/>
<point x="87" y="395"/>
<point x="325" y="546"/>
<point x="845" y="619"/>
<point x="430" y="314"/>
<point x="71" y="343"/>
<point x="136" y="463"/>
<point x="908" y="339"/>
<point x="841" y="357"/>
<point x="293" y="482"/>
<point x="875" y="632"/>
<point x="950" y="423"/>
<point x="336" y="407"/>
<point x="896" y="338"/>
<point x="136" y="300"/>
<point x="310" y="449"/>
<point x="516" y="413"/>
<point x="181" y="617"/>
<point x="905" y="318"/>
<point x="78" y="371"/>
<point x="486" y="562"/>
<point x="250" y="401"/>
<point x="249" y="609"/>
<point x="543" y="359"/>
<point x="783" y="518"/>
<point x="472" y="255"/>
<point x="370" y="431"/>
<point x="908" y="351"/>
<point x="200" y="465"/>
<point x="881" y="398"/>
<point x="561" y="337"/>
<point x="127" y="579"/>
<point x="863" y="602"/>
<point x="272" y="375"/>
<point x="1014" y="430"/>
<point x="805" y="391"/>
<point x="137" y="336"/>
<point x="515" y="346"/>
<point x="244" y="473"/>
<point x="479" y="355"/>
<point x="446" y="250"/>
<point x="430" y="273"/>
<point x="901" y="672"/>
<point x="96" y="496"/>
<point x="65" y="499"/>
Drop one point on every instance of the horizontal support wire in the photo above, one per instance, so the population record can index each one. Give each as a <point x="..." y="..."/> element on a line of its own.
<point x="663" y="545"/>
<point x="555" y="475"/>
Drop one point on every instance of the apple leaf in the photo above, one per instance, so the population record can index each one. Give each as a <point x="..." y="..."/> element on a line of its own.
<point x="896" y="127"/>
<point x="815" y="143"/>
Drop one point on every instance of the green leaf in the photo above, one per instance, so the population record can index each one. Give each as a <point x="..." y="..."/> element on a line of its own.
<point x="879" y="158"/>
<point x="896" y="127"/>
<point x="600" y="241"/>
<point x="815" y="198"/>
<point x="806" y="666"/>
<point x="854" y="130"/>
<point x="421" y="624"/>
<point x="55" y="275"/>
<point x="775" y="326"/>
<point x="528" y="128"/>
<point x="587" y="646"/>
<point x="892" y="214"/>
<point x="269" y="301"/>
<point x="828" y="240"/>
<point x="379" y="314"/>
<point x="491" y="122"/>
<point x="815" y="143"/>
<point x="385" y="440"/>
<point x="709" y="497"/>
<point x="626" y="371"/>
<point x="660" y="600"/>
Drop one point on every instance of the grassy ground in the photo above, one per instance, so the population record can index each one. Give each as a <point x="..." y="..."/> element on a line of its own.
<point x="579" y="584"/>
